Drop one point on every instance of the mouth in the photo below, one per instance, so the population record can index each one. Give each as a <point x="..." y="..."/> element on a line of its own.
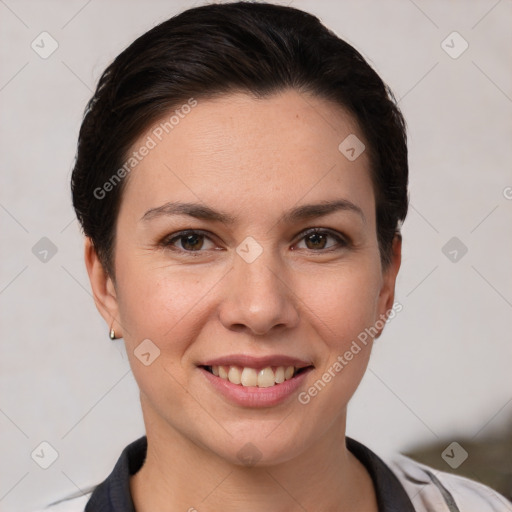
<point x="266" y="377"/>
<point x="256" y="381"/>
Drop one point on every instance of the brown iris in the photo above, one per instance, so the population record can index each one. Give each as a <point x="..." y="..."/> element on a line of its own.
<point x="316" y="238"/>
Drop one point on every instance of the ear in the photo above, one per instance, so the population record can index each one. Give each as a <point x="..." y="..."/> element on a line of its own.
<point x="386" y="298"/>
<point x="103" y="288"/>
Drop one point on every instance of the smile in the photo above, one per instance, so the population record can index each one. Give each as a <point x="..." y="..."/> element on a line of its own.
<point x="251" y="377"/>
<point x="263" y="386"/>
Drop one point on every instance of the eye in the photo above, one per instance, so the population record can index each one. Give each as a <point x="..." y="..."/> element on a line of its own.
<point x="195" y="241"/>
<point x="190" y="241"/>
<point x="316" y="240"/>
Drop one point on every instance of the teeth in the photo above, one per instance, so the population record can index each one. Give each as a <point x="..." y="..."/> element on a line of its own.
<point x="223" y="374"/>
<point x="234" y="375"/>
<point x="279" y="373"/>
<point x="264" y="378"/>
<point x="249" y="377"/>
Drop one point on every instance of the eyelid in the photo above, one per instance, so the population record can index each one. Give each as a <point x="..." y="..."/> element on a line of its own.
<point x="342" y="240"/>
<point x="168" y="240"/>
<point x="335" y="234"/>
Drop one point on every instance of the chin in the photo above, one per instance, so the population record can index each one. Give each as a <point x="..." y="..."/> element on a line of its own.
<point x="257" y="450"/>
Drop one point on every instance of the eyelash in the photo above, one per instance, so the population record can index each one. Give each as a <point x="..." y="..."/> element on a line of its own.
<point x="342" y="241"/>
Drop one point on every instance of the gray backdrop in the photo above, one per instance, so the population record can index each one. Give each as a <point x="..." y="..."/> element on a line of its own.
<point x="442" y="368"/>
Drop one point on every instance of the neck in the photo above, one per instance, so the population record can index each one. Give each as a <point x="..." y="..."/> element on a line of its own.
<point x="180" y="475"/>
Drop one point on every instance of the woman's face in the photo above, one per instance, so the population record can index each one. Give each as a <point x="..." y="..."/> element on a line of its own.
<point x="252" y="287"/>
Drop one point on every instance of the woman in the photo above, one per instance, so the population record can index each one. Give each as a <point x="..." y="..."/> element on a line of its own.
<point x="241" y="180"/>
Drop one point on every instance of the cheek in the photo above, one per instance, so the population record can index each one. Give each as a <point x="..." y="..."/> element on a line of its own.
<point x="164" y="305"/>
<point x="161" y="302"/>
<point x="344" y="301"/>
<point x="342" y="308"/>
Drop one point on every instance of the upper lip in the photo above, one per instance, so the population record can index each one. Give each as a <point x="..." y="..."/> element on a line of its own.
<point x="248" y="361"/>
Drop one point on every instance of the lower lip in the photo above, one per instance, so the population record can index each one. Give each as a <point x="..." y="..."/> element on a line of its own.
<point x="252" y="396"/>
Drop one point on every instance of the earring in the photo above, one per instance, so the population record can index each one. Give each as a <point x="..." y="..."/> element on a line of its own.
<point x="112" y="334"/>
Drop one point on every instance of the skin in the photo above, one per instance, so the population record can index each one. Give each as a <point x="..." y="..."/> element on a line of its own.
<point x="253" y="159"/>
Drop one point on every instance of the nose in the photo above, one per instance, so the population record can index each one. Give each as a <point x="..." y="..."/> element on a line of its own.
<point x="257" y="297"/>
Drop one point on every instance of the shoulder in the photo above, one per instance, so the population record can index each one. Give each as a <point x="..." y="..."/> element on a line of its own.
<point x="114" y="488"/>
<point x="71" y="504"/>
<point x="431" y="489"/>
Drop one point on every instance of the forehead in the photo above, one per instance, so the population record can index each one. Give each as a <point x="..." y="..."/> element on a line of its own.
<point x="262" y="154"/>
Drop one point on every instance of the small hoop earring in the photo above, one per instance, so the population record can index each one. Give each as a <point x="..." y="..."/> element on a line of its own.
<point x="112" y="334"/>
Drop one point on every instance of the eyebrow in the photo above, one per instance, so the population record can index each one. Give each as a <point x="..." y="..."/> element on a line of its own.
<point x="304" y="212"/>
